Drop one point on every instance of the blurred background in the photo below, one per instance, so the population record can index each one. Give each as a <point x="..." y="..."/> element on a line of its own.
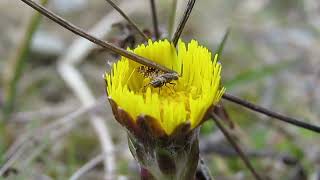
<point x="56" y="121"/>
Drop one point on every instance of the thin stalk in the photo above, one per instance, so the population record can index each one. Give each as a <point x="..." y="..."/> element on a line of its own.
<point x="17" y="64"/>
<point x="172" y="17"/>
<point x="87" y="167"/>
<point x="123" y="14"/>
<point x="270" y="113"/>
<point x="236" y="147"/>
<point x="183" y="22"/>
<point x="155" y="19"/>
<point x="223" y="42"/>
<point x="106" y="45"/>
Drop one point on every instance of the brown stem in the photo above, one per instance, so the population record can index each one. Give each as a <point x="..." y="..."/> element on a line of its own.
<point x="270" y="113"/>
<point x="236" y="147"/>
<point x="123" y="14"/>
<point x="183" y="22"/>
<point x="155" y="19"/>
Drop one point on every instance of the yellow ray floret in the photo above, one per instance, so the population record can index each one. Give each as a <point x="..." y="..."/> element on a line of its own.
<point x="187" y="100"/>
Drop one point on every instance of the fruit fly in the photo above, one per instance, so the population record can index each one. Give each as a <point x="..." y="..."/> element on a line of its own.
<point x="158" y="77"/>
<point x="164" y="79"/>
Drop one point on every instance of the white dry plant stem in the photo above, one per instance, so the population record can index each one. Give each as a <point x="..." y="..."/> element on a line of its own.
<point x="50" y="112"/>
<point x="55" y="125"/>
<point x="87" y="167"/>
<point x="31" y="138"/>
<point x="78" y="50"/>
<point x="19" y="151"/>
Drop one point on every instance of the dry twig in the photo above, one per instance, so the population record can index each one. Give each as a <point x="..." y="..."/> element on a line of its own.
<point x="87" y="167"/>
<point x="270" y="113"/>
<point x="155" y="19"/>
<point x="183" y="22"/>
<point x="28" y="139"/>
<point x="172" y="17"/>
<point x="236" y="147"/>
<point x="124" y="15"/>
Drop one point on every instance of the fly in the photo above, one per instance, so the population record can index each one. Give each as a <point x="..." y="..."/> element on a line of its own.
<point x="158" y="77"/>
<point x="163" y="79"/>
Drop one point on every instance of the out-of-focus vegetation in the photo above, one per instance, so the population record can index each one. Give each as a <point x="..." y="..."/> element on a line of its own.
<point x="271" y="58"/>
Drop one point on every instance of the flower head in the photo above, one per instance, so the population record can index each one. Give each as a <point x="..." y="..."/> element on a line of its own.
<point x="167" y="108"/>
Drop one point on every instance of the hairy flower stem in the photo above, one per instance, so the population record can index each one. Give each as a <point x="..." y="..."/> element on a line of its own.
<point x="169" y="158"/>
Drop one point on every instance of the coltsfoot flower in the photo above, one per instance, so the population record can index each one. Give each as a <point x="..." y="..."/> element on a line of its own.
<point x="162" y="122"/>
<point x="167" y="108"/>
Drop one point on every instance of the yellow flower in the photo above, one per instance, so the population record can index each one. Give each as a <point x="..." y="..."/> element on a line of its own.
<point x="184" y="102"/>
